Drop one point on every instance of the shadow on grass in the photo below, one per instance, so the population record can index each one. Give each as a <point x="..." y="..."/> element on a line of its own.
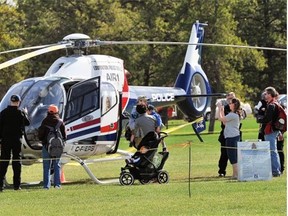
<point x="213" y="178"/>
<point x="39" y="184"/>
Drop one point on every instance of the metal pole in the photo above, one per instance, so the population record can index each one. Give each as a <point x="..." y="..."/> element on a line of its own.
<point x="189" y="169"/>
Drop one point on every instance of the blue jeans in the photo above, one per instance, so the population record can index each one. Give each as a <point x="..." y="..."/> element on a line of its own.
<point x="231" y="144"/>
<point x="47" y="161"/>
<point x="275" y="161"/>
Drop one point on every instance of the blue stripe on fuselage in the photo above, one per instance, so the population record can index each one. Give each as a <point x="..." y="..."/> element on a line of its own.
<point x="84" y="132"/>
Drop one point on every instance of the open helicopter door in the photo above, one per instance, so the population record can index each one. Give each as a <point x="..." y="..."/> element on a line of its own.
<point x="91" y="117"/>
<point x="82" y="117"/>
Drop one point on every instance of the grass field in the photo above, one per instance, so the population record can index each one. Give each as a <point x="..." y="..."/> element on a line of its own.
<point x="210" y="195"/>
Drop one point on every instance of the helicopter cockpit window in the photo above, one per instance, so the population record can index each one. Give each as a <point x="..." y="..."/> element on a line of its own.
<point x="42" y="94"/>
<point x="108" y="98"/>
<point x="19" y="89"/>
<point x="83" y="99"/>
<point x="37" y="99"/>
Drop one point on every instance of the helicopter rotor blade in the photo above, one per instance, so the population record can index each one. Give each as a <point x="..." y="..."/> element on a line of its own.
<point x="33" y="54"/>
<point x="27" y="48"/>
<point x="185" y="43"/>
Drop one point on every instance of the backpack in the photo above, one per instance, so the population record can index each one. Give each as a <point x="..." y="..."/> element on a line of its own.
<point x="281" y="121"/>
<point x="55" y="142"/>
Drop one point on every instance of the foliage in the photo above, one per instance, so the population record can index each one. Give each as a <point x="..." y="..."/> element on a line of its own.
<point x="11" y="37"/>
<point x="245" y="71"/>
<point x="264" y="23"/>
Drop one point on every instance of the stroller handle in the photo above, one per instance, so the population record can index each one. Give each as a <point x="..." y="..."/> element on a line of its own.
<point x="163" y="135"/>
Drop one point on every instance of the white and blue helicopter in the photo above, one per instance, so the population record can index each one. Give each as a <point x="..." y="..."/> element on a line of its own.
<point x="92" y="94"/>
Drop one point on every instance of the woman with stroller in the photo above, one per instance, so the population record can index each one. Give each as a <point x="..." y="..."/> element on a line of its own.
<point x="146" y="124"/>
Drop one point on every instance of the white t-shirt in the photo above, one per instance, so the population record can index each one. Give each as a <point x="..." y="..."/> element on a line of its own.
<point x="232" y="125"/>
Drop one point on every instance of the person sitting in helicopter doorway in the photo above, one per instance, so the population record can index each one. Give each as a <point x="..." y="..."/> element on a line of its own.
<point x="135" y="137"/>
<point x="51" y="120"/>
<point x="152" y="111"/>
<point x="12" y="123"/>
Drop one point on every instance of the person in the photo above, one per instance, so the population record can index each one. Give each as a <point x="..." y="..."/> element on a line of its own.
<point x="270" y="133"/>
<point x="280" y="150"/>
<point x="231" y="131"/>
<point x="280" y="143"/>
<point x="146" y="124"/>
<point x="51" y="120"/>
<point x="136" y="135"/>
<point x="12" y="123"/>
<point x="152" y="111"/>
<point x="223" y="159"/>
<point x="259" y="111"/>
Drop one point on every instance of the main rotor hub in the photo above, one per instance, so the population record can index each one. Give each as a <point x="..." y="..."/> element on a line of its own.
<point x="76" y="36"/>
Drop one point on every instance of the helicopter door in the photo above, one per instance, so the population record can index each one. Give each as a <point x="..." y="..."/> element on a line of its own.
<point x="82" y="112"/>
<point x="110" y="114"/>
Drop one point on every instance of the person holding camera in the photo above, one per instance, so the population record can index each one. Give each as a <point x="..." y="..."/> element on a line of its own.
<point x="231" y="131"/>
<point x="223" y="160"/>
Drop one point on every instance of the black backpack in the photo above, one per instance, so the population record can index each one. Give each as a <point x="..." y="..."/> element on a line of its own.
<point x="55" y="142"/>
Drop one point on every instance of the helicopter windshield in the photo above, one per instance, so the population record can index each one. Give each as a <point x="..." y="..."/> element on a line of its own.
<point x="19" y="89"/>
<point x="36" y="100"/>
<point x="42" y="94"/>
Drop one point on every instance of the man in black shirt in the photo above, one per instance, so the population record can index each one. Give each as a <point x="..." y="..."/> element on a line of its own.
<point x="12" y="123"/>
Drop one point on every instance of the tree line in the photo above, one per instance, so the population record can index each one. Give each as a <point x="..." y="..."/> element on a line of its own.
<point x="243" y="22"/>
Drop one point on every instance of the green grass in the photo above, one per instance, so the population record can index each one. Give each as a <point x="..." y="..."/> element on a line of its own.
<point x="210" y="195"/>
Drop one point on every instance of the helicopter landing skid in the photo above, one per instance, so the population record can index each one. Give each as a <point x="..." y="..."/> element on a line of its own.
<point x="84" y="163"/>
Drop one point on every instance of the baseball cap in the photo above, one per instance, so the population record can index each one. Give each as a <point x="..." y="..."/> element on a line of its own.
<point x="15" y="98"/>
<point x="53" y="109"/>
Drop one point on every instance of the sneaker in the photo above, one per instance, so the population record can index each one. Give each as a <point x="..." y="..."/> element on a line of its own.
<point x="18" y="188"/>
<point x="221" y="175"/>
<point x="57" y="187"/>
<point x="276" y="175"/>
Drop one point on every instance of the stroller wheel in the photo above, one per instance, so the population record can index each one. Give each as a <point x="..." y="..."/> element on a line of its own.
<point x="144" y="181"/>
<point x="163" y="177"/>
<point x="126" y="179"/>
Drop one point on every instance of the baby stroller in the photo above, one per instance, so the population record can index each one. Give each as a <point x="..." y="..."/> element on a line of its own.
<point x="148" y="165"/>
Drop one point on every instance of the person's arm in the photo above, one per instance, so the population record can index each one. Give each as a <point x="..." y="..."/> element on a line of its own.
<point x="26" y="120"/>
<point x="268" y="117"/>
<point x="41" y="132"/>
<point x="221" y="113"/>
<point x="63" y="131"/>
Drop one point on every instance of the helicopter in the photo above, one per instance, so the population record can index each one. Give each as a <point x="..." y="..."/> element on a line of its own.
<point x="93" y="96"/>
